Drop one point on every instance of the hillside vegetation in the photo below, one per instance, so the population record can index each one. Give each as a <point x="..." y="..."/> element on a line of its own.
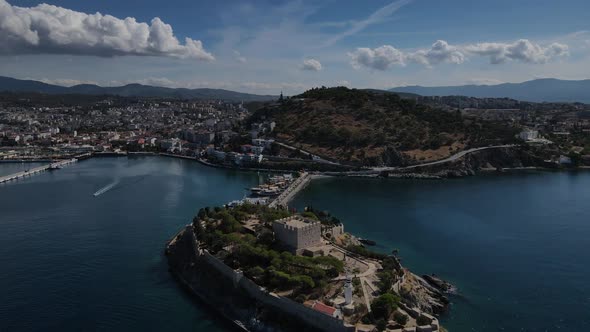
<point x="363" y="127"/>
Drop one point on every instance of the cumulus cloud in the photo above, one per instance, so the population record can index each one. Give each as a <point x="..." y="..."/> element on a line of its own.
<point x="523" y="50"/>
<point x="312" y="65"/>
<point x="440" y="52"/>
<point x="380" y="58"/>
<point x="52" y="29"/>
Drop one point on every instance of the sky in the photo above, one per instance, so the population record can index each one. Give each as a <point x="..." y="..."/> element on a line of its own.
<point x="266" y="47"/>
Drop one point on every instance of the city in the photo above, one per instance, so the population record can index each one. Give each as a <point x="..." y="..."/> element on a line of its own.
<point x="294" y="165"/>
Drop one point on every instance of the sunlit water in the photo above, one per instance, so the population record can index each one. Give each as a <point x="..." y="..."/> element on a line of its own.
<point x="515" y="245"/>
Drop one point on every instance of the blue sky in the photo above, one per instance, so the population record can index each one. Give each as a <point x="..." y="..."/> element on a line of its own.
<point x="269" y="46"/>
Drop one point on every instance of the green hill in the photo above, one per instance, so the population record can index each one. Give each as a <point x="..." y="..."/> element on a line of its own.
<point x="369" y="128"/>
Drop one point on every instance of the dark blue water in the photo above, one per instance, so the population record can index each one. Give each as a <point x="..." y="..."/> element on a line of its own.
<point x="70" y="261"/>
<point x="517" y="246"/>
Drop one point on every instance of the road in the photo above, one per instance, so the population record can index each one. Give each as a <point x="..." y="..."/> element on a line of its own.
<point x="454" y="157"/>
<point x="314" y="157"/>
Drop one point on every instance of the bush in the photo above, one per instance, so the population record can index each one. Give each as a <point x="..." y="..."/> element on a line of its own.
<point x="384" y="305"/>
<point x="400" y="318"/>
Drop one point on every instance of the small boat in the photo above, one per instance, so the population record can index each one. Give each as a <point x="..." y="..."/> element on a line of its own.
<point x="269" y="192"/>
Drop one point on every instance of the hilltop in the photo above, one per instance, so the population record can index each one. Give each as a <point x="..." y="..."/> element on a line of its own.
<point x="8" y="84"/>
<point x="367" y="128"/>
<point x="539" y="90"/>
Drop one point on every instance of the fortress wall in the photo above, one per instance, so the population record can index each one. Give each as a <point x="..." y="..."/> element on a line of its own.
<point x="308" y="315"/>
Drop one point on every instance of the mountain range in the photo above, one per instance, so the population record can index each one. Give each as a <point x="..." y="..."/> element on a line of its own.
<point x="539" y="90"/>
<point x="9" y="84"/>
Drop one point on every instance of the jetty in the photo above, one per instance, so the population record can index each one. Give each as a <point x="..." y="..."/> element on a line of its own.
<point x="296" y="186"/>
<point x="37" y="170"/>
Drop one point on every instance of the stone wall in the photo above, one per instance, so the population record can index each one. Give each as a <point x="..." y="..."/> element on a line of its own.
<point x="310" y="316"/>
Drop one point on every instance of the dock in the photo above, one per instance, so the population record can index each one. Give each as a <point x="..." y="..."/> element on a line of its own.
<point x="36" y="170"/>
<point x="296" y="186"/>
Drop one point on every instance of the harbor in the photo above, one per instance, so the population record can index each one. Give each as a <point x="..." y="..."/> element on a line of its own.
<point x="277" y="191"/>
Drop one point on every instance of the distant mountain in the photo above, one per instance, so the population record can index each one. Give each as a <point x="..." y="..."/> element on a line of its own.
<point x="541" y="90"/>
<point x="129" y="90"/>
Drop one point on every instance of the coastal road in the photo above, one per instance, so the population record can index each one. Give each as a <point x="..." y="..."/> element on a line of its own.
<point x="454" y="157"/>
<point x="314" y="157"/>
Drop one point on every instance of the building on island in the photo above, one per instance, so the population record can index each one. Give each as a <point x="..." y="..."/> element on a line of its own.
<point x="297" y="233"/>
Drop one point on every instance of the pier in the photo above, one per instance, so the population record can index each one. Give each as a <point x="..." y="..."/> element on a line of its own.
<point x="36" y="170"/>
<point x="296" y="186"/>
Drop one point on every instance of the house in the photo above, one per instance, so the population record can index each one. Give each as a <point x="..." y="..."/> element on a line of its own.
<point x="326" y="309"/>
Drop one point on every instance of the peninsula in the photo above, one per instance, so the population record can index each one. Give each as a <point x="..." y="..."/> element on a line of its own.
<point x="264" y="265"/>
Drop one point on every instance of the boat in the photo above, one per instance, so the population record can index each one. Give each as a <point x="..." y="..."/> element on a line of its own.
<point x="269" y="192"/>
<point x="256" y="190"/>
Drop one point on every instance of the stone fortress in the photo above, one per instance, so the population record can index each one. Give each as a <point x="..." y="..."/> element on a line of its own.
<point x="297" y="233"/>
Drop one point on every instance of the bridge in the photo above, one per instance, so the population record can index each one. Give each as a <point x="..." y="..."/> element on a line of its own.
<point x="36" y="170"/>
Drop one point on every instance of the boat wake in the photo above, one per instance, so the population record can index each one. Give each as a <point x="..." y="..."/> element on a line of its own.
<point x="106" y="188"/>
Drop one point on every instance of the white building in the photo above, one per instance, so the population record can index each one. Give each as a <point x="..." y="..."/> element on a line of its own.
<point x="529" y="135"/>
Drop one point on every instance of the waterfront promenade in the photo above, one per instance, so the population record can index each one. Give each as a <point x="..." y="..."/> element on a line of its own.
<point x="36" y="170"/>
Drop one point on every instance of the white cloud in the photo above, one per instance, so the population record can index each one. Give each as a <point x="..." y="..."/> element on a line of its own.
<point x="440" y="52"/>
<point x="380" y="58"/>
<point x="484" y="81"/>
<point x="63" y="81"/>
<point x="312" y="65"/>
<point x="238" y="57"/>
<point x="343" y="83"/>
<point x="523" y="50"/>
<point x="52" y="29"/>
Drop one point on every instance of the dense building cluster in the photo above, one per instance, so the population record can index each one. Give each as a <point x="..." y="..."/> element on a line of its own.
<point x="116" y="124"/>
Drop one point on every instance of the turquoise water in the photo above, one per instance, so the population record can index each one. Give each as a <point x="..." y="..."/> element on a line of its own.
<point x="516" y="245"/>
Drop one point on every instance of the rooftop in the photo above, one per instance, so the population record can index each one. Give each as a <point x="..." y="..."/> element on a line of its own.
<point x="295" y="221"/>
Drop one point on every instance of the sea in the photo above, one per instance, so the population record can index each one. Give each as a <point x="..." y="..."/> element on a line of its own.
<point x="81" y="248"/>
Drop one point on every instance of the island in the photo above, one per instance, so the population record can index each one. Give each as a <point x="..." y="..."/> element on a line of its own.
<point x="264" y="265"/>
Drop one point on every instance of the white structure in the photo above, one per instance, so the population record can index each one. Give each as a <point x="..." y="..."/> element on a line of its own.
<point x="297" y="233"/>
<point x="348" y="290"/>
<point x="529" y="135"/>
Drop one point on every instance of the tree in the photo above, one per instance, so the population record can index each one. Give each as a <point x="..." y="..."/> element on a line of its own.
<point x="383" y="306"/>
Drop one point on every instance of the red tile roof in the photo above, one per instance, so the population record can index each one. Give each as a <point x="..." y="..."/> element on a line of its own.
<point x="326" y="309"/>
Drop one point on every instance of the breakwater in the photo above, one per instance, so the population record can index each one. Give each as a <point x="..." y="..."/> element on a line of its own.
<point x="295" y="187"/>
<point x="36" y="170"/>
